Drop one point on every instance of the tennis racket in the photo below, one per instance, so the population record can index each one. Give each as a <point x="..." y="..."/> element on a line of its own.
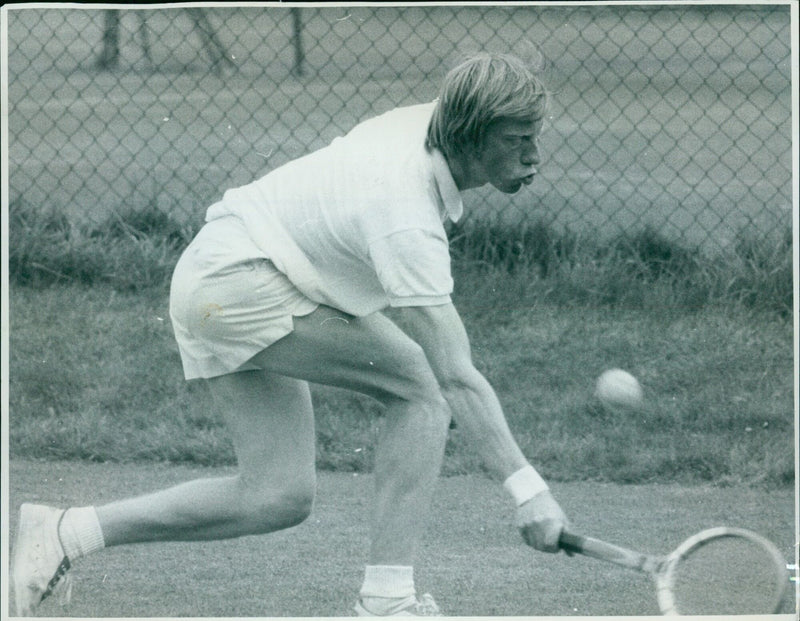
<point x="719" y="571"/>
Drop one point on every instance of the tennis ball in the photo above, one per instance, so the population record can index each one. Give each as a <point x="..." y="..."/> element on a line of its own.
<point x="616" y="387"/>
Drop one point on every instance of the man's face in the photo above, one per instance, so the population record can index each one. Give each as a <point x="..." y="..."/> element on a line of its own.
<point x="510" y="153"/>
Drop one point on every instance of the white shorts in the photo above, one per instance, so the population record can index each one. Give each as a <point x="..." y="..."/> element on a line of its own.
<point x="225" y="313"/>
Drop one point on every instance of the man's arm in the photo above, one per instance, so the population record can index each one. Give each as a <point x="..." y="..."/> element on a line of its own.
<point x="474" y="404"/>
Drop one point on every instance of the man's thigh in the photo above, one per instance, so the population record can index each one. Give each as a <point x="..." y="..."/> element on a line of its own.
<point x="368" y="354"/>
<point x="271" y="422"/>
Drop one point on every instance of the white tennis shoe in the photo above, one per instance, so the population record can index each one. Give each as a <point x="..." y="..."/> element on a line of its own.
<point x="39" y="566"/>
<point x="425" y="606"/>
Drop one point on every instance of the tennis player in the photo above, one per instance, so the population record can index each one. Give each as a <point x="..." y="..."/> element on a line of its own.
<point x="285" y="284"/>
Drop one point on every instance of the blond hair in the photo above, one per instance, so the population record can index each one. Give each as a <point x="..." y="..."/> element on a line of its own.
<point x="483" y="88"/>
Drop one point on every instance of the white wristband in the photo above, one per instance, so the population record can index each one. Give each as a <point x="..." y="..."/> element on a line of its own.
<point x="524" y="484"/>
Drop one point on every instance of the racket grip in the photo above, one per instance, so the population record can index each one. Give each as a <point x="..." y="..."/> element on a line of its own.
<point x="570" y="542"/>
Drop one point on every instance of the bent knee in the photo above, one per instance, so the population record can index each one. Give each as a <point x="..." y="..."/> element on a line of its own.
<point x="279" y="506"/>
<point x="413" y="379"/>
<point x="297" y="505"/>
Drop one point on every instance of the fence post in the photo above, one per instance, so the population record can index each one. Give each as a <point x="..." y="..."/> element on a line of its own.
<point x="110" y="52"/>
<point x="209" y="40"/>
<point x="297" y="38"/>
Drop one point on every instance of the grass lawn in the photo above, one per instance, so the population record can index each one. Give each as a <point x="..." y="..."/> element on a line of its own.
<point x="473" y="560"/>
<point x="95" y="375"/>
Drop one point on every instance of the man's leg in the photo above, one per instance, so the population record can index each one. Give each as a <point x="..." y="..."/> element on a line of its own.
<point x="271" y="421"/>
<point x="374" y="356"/>
<point x="370" y="355"/>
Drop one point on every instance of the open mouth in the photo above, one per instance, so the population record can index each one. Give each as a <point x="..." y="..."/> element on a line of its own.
<point x="528" y="180"/>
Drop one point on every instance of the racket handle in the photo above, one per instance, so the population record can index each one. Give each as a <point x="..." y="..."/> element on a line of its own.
<point x="570" y="542"/>
<point x="588" y="546"/>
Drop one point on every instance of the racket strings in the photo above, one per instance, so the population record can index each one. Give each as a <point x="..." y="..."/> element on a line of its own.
<point x="727" y="575"/>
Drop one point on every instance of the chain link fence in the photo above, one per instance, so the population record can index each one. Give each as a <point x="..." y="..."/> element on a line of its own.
<point x="675" y="117"/>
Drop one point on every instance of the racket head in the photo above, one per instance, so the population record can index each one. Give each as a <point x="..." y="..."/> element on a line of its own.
<point x="723" y="571"/>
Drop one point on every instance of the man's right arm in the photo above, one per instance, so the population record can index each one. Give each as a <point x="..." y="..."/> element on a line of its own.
<point x="439" y="331"/>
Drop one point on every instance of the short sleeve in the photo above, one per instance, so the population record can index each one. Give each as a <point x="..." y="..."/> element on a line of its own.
<point x="413" y="266"/>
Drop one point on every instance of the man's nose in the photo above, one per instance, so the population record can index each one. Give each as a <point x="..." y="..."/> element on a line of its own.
<point x="530" y="155"/>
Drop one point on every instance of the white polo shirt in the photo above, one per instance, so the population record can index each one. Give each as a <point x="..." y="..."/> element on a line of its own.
<point x="357" y="225"/>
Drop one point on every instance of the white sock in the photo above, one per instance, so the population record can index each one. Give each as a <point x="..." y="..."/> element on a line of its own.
<point x="80" y="532"/>
<point x="388" y="581"/>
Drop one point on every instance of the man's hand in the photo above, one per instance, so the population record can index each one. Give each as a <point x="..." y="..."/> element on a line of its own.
<point x="541" y="520"/>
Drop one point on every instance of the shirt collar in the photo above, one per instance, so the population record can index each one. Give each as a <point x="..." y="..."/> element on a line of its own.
<point x="448" y="190"/>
